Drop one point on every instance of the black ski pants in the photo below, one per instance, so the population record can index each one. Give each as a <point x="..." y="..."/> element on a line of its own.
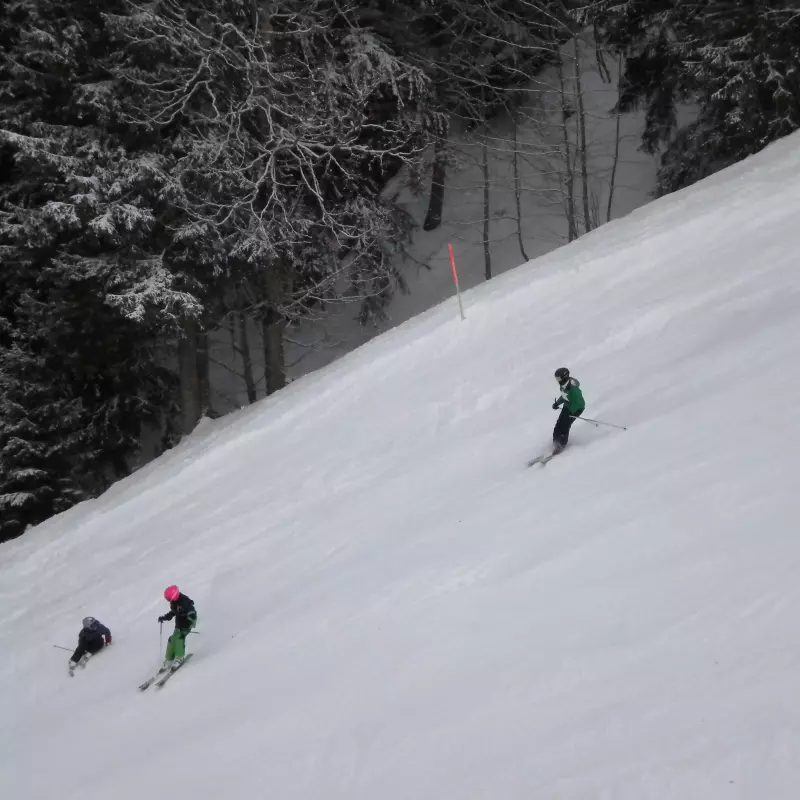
<point x="564" y="423"/>
<point x="92" y="646"/>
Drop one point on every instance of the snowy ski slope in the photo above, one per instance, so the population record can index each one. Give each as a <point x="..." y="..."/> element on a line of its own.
<point x="392" y="607"/>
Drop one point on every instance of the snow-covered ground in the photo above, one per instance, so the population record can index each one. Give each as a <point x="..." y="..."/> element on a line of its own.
<point x="393" y="607"/>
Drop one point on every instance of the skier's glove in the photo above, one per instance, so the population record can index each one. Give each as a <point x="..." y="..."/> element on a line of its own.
<point x="555" y="406"/>
<point x="162" y="619"/>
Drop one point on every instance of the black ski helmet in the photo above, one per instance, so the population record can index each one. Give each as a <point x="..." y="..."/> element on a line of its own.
<point x="88" y="622"/>
<point x="562" y="374"/>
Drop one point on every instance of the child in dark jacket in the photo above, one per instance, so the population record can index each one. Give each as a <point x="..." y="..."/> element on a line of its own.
<point x="94" y="636"/>
<point x="181" y="608"/>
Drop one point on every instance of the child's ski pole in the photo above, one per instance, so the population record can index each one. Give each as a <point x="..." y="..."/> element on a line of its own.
<point x="600" y="422"/>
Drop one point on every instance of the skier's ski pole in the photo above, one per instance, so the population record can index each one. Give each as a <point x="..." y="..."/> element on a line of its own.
<point x="600" y="422"/>
<point x="160" y="639"/>
<point x="68" y="649"/>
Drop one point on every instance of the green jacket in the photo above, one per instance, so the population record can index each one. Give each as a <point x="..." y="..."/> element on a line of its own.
<point x="571" y="395"/>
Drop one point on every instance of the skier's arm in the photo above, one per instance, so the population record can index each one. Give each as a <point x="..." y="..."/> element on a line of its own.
<point x="558" y="402"/>
<point x="105" y="632"/>
<point x="167" y="617"/>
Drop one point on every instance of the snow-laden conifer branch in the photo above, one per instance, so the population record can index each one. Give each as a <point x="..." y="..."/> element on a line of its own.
<point x="286" y="136"/>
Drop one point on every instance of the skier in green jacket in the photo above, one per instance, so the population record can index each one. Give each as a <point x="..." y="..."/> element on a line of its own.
<point x="573" y="406"/>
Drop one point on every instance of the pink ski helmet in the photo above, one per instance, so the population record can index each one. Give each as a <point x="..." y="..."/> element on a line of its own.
<point x="172" y="593"/>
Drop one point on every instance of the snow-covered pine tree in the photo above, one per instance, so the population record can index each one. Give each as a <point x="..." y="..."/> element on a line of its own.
<point x="480" y="56"/>
<point x="82" y="225"/>
<point x="80" y="380"/>
<point x="132" y="195"/>
<point x="284" y="130"/>
<point x="40" y="428"/>
<point x="737" y="61"/>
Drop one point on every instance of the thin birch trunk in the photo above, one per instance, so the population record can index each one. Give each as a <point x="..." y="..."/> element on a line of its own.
<point x="570" y="175"/>
<point x="518" y="192"/>
<point x="487" y="254"/>
<point x="587" y="217"/>
<point x="616" y="141"/>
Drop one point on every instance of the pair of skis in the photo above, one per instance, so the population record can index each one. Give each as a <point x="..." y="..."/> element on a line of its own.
<point x="163" y="675"/>
<point x="546" y="457"/>
<point x="543" y="459"/>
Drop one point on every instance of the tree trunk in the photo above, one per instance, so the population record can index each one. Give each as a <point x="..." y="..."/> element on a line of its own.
<point x="518" y="192"/>
<point x="272" y="327"/>
<point x="247" y="361"/>
<point x="433" y="219"/>
<point x="188" y="377"/>
<point x="616" y="141"/>
<point x="203" y="381"/>
<point x="487" y="253"/>
<point x="278" y="291"/>
<point x="570" y="176"/>
<point x="232" y="321"/>
<point x="587" y="216"/>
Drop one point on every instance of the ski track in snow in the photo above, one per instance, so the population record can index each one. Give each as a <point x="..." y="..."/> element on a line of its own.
<point x="391" y="605"/>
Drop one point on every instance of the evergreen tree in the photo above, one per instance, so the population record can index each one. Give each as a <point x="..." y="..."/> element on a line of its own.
<point x="480" y="56"/>
<point x="283" y="131"/>
<point x="152" y="159"/>
<point x="79" y="235"/>
<point x="739" y="62"/>
<point x="39" y="437"/>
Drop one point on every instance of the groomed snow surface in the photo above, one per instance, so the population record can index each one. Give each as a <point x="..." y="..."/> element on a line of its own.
<point x="392" y="607"/>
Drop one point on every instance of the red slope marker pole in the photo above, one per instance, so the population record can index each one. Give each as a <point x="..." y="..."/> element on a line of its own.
<point x="455" y="279"/>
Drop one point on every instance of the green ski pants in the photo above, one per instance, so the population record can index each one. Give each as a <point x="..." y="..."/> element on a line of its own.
<point x="176" y="645"/>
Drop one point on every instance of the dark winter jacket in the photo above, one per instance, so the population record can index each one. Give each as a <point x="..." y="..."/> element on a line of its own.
<point x="184" y="613"/>
<point x="94" y="638"/>
<point x="571" y="395"/>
